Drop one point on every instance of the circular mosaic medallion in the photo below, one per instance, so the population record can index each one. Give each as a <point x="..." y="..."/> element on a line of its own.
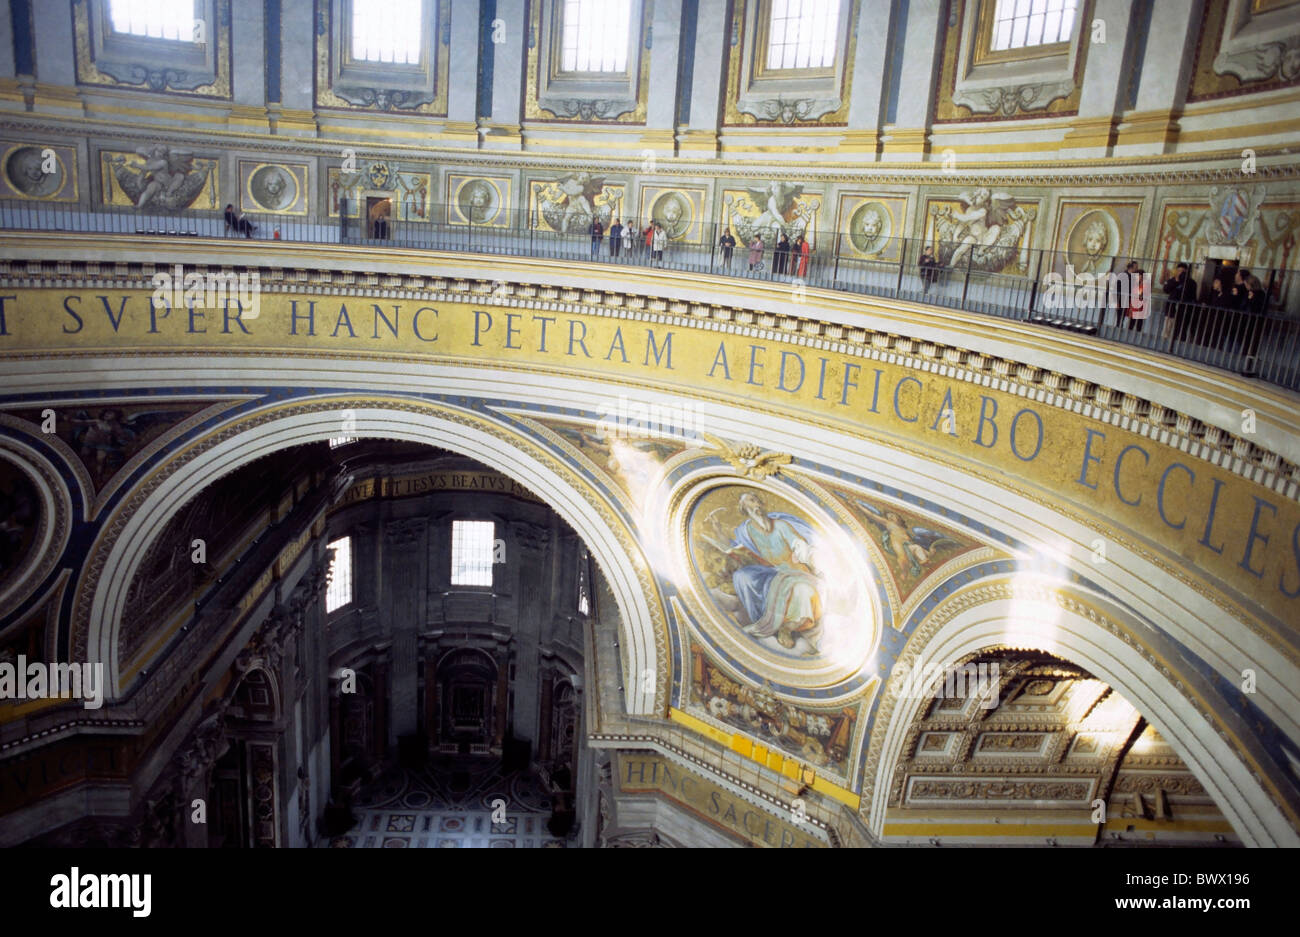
<point x="776" y="583"/>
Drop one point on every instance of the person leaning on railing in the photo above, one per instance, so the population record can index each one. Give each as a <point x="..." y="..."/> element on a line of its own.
<point x="1182" y="295"/>
<point x="728" y="244"/>
<point x="929" y="266"/>
<point x="1251" y="300"/>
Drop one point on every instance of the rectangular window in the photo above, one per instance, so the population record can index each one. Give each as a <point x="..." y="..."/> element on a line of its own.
<point x="584" y="588"/>
<point x="155" y="19"/>
<point x="802" y="34"/>
<point x="339" y="592"/>
<point x="595" y="35"/>
<point x="336" y="441"/>
<point x="1018" y="24"/>
<point x="471" y="552"/>
<point x="391" y="31"/>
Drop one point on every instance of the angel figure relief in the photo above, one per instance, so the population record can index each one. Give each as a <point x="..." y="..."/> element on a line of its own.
<point x="569" y="204"/>
<point x="772" y="210"/>
<point x="912" y="546"/>
<point x="987" y="230"/>
<point x="167" y="180"/>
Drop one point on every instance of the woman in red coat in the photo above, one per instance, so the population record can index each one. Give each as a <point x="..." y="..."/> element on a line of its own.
<point x="1139" y="306"/>
<point x="803" y="250"/>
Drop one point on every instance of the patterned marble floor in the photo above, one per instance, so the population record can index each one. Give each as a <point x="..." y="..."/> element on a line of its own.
<point x="450" y="805"/>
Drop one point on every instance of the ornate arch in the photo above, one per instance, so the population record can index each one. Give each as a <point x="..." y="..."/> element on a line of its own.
<point x="127" y="534"/>
<point x="1031" y="612"/>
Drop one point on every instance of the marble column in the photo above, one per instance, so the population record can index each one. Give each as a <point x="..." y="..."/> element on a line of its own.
<point x="908" y="137"/>
<point x="1105" y="79"/>
<point x="661" y="105"/>
<point x="708" y="80"/>
<point x="384" y="698"/>
<point x="462" y="90"/>
<point x="295" y="113"/>
<point x="1152" y="126"/>
<point x="7" y="65"/>
<point x="502" y="131"/>
<point x="871" y="63"/>
<point x="56" y="52"/>
<point x="404" y="567"/>
<point x="248" y="77"/>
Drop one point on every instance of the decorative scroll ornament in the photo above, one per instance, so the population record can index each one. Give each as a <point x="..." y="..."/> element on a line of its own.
<point x="383" y="99"/>
<point x="788" y="111"/>
<point x="591" y="108"/>
<point x="1271" y="60"/>
<point x="1013" y="98"/>
<point x="748" y="460"/>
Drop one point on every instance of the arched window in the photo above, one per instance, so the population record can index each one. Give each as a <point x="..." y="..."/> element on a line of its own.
<point x="472" y="552"/>
<point x="389" y="32"/>
<point x="155" y="19"/>
<point x="595" y="35"/>
<point x="1018" y="24"/>
<point x="802" y="34"/>
<point x="339" y="592"/>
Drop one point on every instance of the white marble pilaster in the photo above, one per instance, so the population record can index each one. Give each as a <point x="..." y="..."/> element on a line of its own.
<point x="502" y="131"/>
<point x="1105" y="80"/>
<point x="906" y="138"/>
<point x="707" y="86"/>
<point x="1165" y="71"/>
<point x="661" y="106"/>
<point x="462" y="91"/>
<point x="871" y="63"/>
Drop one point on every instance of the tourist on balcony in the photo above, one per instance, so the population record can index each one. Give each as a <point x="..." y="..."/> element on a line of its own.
<point x="649" y="235"/>
<point x="615" y="238"/>
<point x="802" y="250"/>
<point x="929" y="265"/>
<point x="728" y="244"/>
<point x="1139" y="306"/>
<point x="1121" y="295"/>
<point x="756" y="248"/>
<point x="781" y="256"/>
<point x="1181" y="291"/>
<point x="627" y="238"/>
<point x="1218" y="297"/>
<point x="657" y="241"/>
<point x="597" y="235"/>
<point x="232" y="219"/>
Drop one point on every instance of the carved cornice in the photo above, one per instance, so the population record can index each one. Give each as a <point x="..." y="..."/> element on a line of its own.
<point x="1217" y="445"/>
<point x="1185" y="168"/>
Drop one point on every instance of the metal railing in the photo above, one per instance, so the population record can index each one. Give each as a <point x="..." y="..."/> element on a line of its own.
<point x="1259" y="336"/>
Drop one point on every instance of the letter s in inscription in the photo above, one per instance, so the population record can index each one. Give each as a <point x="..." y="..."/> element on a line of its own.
<point x="69" y="310"/>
